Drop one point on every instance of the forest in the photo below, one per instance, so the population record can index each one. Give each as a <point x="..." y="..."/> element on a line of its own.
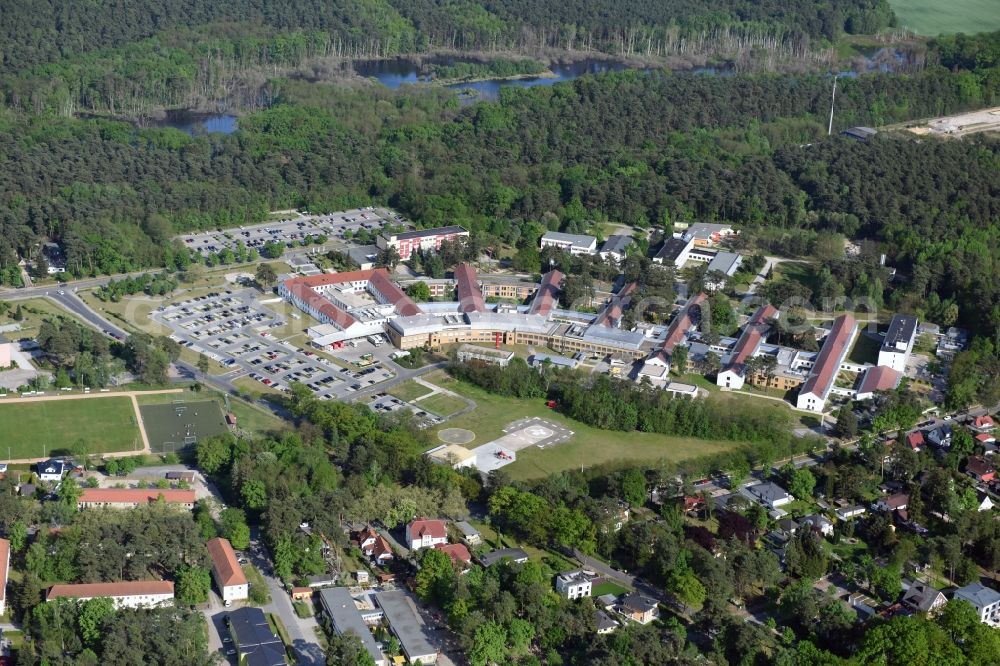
<point x="641" y="149"/>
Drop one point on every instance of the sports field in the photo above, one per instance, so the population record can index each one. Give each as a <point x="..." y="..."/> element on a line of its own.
<point x="174" y="426"/>
<point x="44" y="428"/>
<point x="936" y="17"/>
<point x="588" y="446"/>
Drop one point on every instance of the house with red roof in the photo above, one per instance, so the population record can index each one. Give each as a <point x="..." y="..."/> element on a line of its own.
<point x="424" y="533"/>
<point x="983" y="423"/>
<point x="980" y="469"/>
<point x="915" y="440"/>
<point x="458" y="553"/>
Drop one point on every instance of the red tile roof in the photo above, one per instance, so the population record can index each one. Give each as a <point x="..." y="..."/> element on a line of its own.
<point x="688" y="316"/>
<point x="224" y="562"/>
<point x="915" y="439"/>
<point x="470" y="297"/>
<point x="616" y="306"/>
<point x="378" y="279"/>
<point x="548" y="291"/>
<point x="879" y="378"/>
<point x="980" y="467"/>
<point x="984" y="421"/>
<point x="985" y="438"/>
<point x="381" y="547"/>
<point x="456" y="551"/>
<point x="754" y="333"/>
<point x="434" y="528"/>
<point x="820" y="379"/>
<point x="4" y="565"/>
<point x="135" y="495"/>
<point x="122" y="589"/>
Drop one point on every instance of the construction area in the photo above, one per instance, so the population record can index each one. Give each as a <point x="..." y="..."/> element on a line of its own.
<point x="974" y="122"/>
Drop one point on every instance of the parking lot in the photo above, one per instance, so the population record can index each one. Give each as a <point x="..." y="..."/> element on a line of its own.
<point x="239" y="331"/>
<point x="296" y="230"/>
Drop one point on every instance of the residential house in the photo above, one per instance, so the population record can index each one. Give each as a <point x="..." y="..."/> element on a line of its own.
<point x="983" y="423"/>
<point x="458" y="553"/>
<point x="985" y="439"/>
<point x="52" y="470"/>
<point x="985" y="600"/>
<point x="894" y="502"/>
<point x="639" y="608"/>
<point x="470" y="535"/>
<point x="424" y="533"/>
<point x="849" y="512"/>
<point x="575" y="584"/>
<point x="604" y="622"/>
<point x="939" y="437"/>
<point x="769" y="494"/>
<point x="615" y="247"/>
<point x="984" y="501"/>
<point x="915" y="440"/>
<point x="980" y="469"/>
<point x="253" y="638"/>
<point x="127" y="594"/>
<point x="923" y="598"/>
<point x="373" y="545"/>
<point x="819" y="523"/>
<point x="226" y="571"/>
<point x="515" y="555"/>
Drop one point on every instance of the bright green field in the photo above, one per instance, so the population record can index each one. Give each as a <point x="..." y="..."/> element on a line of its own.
<point x="935" y="17"/>
<point x="37" y="429"/>
<point x="588" y="446"/>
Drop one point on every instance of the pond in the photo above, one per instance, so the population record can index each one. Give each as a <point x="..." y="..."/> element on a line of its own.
<point x="400" y="71"/>
<point x="196" y="123"/>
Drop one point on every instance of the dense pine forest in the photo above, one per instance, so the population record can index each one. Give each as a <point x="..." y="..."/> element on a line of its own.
<point x="638" y="148"/>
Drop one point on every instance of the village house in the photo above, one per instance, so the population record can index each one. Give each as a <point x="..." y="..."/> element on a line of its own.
<point x="980" y="469"/>
<point x="985" y="600"/>
<point x="424" y="533"/>
<point x="226" y="571"/>
<point x="639" y="608"/>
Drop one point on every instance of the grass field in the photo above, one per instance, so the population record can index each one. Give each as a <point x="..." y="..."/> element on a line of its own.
<point x="588" y="446"/>
<point x="171" y="427"/>
<point x="933" y="17"/>
<point x="408" y="391"/>
<point x="38" y="429"/>
<point x="442" y="404"/>
<point x="249" y="417"/>
<point x="865" y="350"/>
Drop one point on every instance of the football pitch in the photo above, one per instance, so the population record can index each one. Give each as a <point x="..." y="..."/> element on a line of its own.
<point x="177" y="425"/>
<point x="55" y="427"/>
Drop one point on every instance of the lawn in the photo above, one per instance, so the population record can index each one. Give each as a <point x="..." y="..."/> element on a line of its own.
<point x="33" y="311"/>
<point x="38" y="429"/>
<point x="408" y="391"/>
<point x="442" y="404"/>
<point x="588" y="446"/>
<point x="865" y="349"/>
<point x="607" y="587"/>
<point x="933" y="17"/>
<point x="794" y="271"/>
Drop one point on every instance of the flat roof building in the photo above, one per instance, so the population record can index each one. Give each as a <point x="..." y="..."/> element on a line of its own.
<point x="252" y="635"/>
<point x="345" y="616"/>
<point x="674" y="252"/>
<point x="401" y="614"/>
<point x="516" y="555"/>
<point x="898" y="342"/>
<point x="572" y="243"/>
<point x="408" y="242"/>
<point x="486" y="355"/>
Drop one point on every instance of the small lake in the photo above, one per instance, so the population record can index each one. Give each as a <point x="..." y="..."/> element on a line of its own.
<point x="196" y="123"/>
<point x="398" y="72"/>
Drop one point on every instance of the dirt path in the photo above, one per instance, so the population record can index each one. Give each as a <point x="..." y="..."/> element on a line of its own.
<point x="132" y="395"/>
